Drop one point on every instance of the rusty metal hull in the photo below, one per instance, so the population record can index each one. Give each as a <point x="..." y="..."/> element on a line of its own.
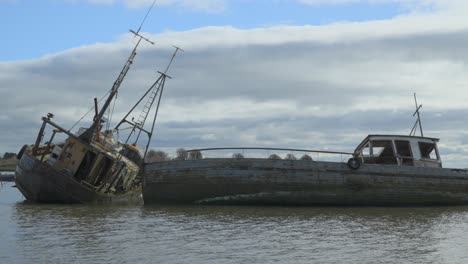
<point x="282" y="182"/>
<point x="39" y="182"/>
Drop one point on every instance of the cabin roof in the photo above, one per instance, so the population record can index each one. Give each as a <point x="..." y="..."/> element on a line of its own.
<point x="393" y="137"/>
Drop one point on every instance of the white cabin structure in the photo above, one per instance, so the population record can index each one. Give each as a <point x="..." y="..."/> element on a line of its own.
<point x="400" y="151"/>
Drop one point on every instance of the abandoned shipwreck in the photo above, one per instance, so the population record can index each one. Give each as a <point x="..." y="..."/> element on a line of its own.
<point x="385" y="170"/>
<point x="87" y="167"/>
<point x="382" y="170"/>
<point x="92" y="165"/>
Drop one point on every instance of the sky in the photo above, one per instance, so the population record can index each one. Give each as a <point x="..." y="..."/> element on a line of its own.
<point x="35" y="28"/>
<point x="308" y="74"/>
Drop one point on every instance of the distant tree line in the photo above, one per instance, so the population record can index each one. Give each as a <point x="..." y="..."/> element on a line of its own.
<point x="305" y="157"/>
<point x="8" y="155"/>
<point x="277" y="157"/>
<point x="182" y="154"/>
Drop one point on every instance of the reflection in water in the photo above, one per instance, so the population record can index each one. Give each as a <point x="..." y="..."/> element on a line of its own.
<point x="304" y="234"/>
<point x="209" y="234"/>
<point x="86" y="233"/>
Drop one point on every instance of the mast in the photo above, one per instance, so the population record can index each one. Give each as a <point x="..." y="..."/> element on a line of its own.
<point x="164" y="75"/>
<point x="88" y="134"/>
<point x="418" y="121"/>
<point x="154" y="95"/>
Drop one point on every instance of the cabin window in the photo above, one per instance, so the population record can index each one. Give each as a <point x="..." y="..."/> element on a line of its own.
<point x="380" y="147"/>
<point x="379" y="152"/>
<point x="382" y="151"/>
<point x="366" y="151"/>
<point x="404" y="152"/>
<point x="428" y="150"/>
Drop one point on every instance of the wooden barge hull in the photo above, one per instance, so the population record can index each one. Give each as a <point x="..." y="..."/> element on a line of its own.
<point x="39" y="182"/>
<point x="283" y="182"/>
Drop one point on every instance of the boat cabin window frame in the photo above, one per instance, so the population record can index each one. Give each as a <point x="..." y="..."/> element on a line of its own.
<point x="403" y="158"/>
<point x="432" y="146"/>
<point x="379" y="151"/>
<point x="384" y="152"/>
<point x="366" y="151"/>
<point x="408" y="151"/>
<point x="86" y="166"/>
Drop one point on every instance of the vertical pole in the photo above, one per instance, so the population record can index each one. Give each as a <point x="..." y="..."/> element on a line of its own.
<point x="48" y="145"/>
<point x="39" y="137"/>
<point x="419" y="117"/>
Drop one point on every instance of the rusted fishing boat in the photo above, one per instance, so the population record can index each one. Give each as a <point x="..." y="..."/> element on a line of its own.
<point x="382" y="170"/>
<point x="89" y="166"/>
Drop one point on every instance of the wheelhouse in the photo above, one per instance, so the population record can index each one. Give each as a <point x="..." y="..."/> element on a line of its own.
<point x="399" y="151"/>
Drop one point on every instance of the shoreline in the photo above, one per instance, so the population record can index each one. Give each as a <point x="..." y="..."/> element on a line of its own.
<point x="7" y="177"/>
<point x="8" y="165"/>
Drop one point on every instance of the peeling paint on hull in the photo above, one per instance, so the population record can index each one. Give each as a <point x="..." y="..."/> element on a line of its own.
<point x="283" y="182"/>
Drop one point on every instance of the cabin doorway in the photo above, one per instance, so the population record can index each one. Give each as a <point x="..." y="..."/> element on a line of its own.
<point x="100" y="171"/>
<point x="85" y="166"/>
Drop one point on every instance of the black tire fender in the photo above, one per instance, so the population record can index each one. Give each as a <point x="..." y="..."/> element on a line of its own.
<point x="354" y="163"/>
<point x="21" y="152"/>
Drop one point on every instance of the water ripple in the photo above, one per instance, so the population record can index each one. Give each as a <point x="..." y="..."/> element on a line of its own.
<point x="209" y="234"/>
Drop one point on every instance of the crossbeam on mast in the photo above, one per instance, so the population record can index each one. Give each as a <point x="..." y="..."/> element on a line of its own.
<point x="418" y="121"/>
<point x="137" y="34"/>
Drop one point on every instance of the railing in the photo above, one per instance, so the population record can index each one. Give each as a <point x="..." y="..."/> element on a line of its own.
<point x="255" y="152"/>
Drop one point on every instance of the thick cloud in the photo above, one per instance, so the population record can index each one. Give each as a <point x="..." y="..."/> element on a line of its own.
<point x="315" y="87"/>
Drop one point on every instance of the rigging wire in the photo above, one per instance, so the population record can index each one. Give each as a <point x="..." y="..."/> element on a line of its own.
<point x="91" y="109"/>
<point x="147" y="13"/>
<point x="122" y="129"/>
<point x="111" y="112"/>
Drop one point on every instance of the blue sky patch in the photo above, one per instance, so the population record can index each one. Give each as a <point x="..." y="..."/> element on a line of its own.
<point x="35" y="28"/>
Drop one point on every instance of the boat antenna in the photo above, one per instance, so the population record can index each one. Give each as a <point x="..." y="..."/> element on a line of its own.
<point x="88" y="134"/>
<point x="418" y="120"/>
<point x="153" y="93"/>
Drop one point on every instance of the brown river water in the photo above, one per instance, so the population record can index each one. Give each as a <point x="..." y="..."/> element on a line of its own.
<point x="33" y="233"/>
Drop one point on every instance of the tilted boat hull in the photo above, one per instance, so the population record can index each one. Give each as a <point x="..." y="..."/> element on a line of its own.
<point x="39" y="182"/>
<point x="283" y="182"/>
